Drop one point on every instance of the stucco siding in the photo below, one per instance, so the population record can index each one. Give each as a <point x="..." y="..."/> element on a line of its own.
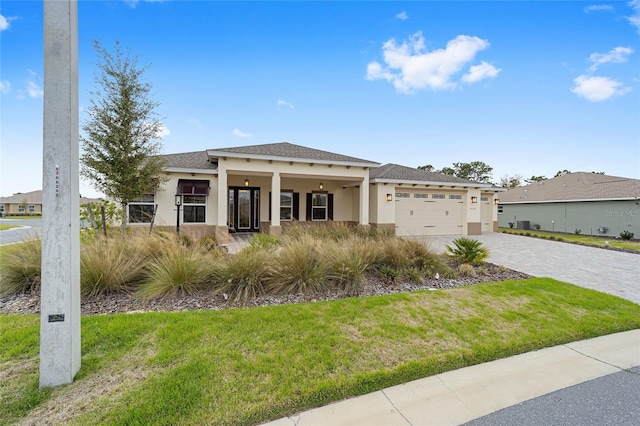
<point x="588" y="216"/>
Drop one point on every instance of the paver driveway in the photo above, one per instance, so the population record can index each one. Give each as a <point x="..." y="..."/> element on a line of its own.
<point x="609" y="271"/>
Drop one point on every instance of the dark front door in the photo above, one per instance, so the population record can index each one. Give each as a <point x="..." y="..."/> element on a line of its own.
<point x="244" y="209"/>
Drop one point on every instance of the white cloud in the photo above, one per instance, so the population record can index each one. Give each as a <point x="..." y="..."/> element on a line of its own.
<point x="402" y="16"/>
<point x="409" y="66"/>
<point x="480" y="72"/>
<point x="241" y="134"/>
<point x="635" y="18"/>
<point x="34" y="90"/>
<point x="163" y="131"/>
<point x="616" y="55"/>
<point x="5" y="87"/>
<point x="283" y="103"/>
<point x="134" y="3"/>
<point x="597" y="89"/>
<point x="5" y="22"/>
<point x="598" y="8"/>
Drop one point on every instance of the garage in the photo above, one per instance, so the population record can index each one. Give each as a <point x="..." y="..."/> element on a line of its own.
<point x="429" y="213"/>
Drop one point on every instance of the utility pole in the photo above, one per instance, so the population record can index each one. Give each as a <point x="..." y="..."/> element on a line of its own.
<point x="60" y="289"/>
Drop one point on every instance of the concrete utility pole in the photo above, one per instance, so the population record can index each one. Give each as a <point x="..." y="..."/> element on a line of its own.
<point x="60" y="290"/>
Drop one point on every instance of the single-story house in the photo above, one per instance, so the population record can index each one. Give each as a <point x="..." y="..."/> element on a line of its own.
<point x="593" y="203"/>
<point x="262" y="188"/>
<point x="29" y="204"/>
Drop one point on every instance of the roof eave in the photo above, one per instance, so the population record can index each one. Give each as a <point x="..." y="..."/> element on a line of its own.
<point x="190" y="170"/>
<point x="568" y="201"/>
<point x="224" y="154"/>
<point x="439" y="184"/>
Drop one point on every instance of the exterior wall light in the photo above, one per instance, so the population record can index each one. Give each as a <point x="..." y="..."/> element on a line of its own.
<point x="389" y="197"/>
<point x="474" y="200"/>
<point x="246" y="181"/>
<point x="496" y="201"/>
<point x="178" y="200"/>
<point x="321" y="186"/>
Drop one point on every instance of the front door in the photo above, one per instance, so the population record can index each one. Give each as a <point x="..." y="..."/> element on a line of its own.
<point x="244" y="209"/>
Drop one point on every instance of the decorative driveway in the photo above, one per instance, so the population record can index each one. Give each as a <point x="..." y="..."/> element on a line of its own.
<point x="609" y="271"/>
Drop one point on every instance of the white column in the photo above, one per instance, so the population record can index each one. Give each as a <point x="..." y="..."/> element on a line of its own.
<point x="223" y="195"/>
<point x="60" y="290"/>
<point x="275" y="199"/>
<point x="364" y="201"/>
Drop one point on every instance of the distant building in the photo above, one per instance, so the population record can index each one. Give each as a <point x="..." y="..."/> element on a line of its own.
<point x="592" y="203"/>
<point x="29" y="204"/>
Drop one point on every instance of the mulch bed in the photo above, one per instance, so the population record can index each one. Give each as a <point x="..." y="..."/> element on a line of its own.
<point x="207" y="300"/>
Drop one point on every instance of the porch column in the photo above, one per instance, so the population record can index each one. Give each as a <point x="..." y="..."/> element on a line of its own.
<point x="275" y="200"/>
<point x="222" y="229"/>
<point x="364" y="201"/>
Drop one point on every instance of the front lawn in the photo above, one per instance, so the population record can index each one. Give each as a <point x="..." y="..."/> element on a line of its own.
<point x="249" y="365"/>
<point x="5" y="227"/>
<point x="631" y="245"/>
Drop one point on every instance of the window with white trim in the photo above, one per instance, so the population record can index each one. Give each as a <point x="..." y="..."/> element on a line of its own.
<point x="286" y="206"/>
<point x="1" y="208"/>
<point x="403" y="195"/>
<point x="141" y="209"/>
<point x="319" y="204"/>
<point x="420" y="195"/>
<point x="484" y="198"/>
<point x="32" y="208"/>
<point x="500" y="209"/>
<point x="438" y="196"/>
<point x="455" y="197"/>
<point x="194" y="208"/>
<point x="20" y="208"/>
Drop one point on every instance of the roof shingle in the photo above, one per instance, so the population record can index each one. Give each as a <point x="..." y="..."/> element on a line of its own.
<point x="575" y="186"/>
<point x="403" y="173"/>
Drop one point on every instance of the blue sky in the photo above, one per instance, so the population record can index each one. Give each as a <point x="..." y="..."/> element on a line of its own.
<point x="529" y="88"/>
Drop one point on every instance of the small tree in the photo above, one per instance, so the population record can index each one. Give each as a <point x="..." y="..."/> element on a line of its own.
<point x="535" y="178"/>
<point x="476" y="171"/>
<point x="120" y="145"/>
<point x="510" y="182"/>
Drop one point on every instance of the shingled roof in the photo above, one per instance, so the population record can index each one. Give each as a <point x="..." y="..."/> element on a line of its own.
<point x="35" y="197"/>
<point x="397" y="173"/>
<point x="189" y="160"/>
<point x="574" y="187"/>
<point x="286" y="150"/>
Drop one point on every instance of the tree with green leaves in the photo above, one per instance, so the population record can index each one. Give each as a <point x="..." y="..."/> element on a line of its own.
<point x="121" y="141"/>
<point x="428" y="168"/>
<point x="476" y="171"/>
<point x="510" y="181"/>
<point x="536" y="179"/>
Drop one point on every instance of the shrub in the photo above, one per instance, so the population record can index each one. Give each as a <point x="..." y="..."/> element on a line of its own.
<point x="208" y="243"/>
<point x="264" y="242"/>
<point x="511" y="224"/>
<point x="348" y="263"/>
<point x="241" y="276"/>
<point x="536" y="226"/>
<point x="21" y="268"/>
<point x="298" y="268"/>
<point x="467" y="250"/>
<point x="626" y="235"/>
<point x="180" y="269"/>
<point x="578" y="231"/>
<point x="110" y="266"/>
<point x="466" y="270"/>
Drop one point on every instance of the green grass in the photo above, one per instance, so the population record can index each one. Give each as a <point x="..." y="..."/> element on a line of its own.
<point x="245" y="366"/>
<point x="580" y="239"/>
<point x="5" y="227"/>
<point x="35" y="216"/>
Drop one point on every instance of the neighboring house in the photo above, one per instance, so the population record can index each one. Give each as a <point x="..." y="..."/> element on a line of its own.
<point x="262" y="188"/>
<point x="592" y="203"/>
<point x="28" y="204"/>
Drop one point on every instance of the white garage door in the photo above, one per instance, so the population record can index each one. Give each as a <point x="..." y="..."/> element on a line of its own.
<point x="486" y="214"/>
<point x="429" y="213"/>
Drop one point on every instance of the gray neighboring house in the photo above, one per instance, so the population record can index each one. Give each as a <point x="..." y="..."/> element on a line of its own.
<point x="593" y="203"/>
<point x="29" y="204"/>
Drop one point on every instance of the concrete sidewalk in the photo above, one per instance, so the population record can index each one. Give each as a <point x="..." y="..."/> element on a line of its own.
<point x="466" y="394"/>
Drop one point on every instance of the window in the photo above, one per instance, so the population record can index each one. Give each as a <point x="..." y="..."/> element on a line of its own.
<point x="194" y="208"/>
<point x="286" y="206"/>
<point x="319" y="206"/>
<point x="500" y="208"/>
<point x="484" y="198"/>
<point x="32" y="208"/>
<point x="402" y="195"/>
<point x="420" y="195"/>
<point x="141" y="209"/>
<point x="438" y="196"/>
<point x="455" y="197"/>
<point x="20" y="208"/>
<point x="193" y="187"/>
<point x="1" y="208"/>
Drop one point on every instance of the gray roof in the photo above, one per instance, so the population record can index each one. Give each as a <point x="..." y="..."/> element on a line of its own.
<point x="35" y="197"/>
<point x="290" y="151"/>
<point x="189" y="160"/>
<point x="396" y="172"/>
<point x="575" y="186"/>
